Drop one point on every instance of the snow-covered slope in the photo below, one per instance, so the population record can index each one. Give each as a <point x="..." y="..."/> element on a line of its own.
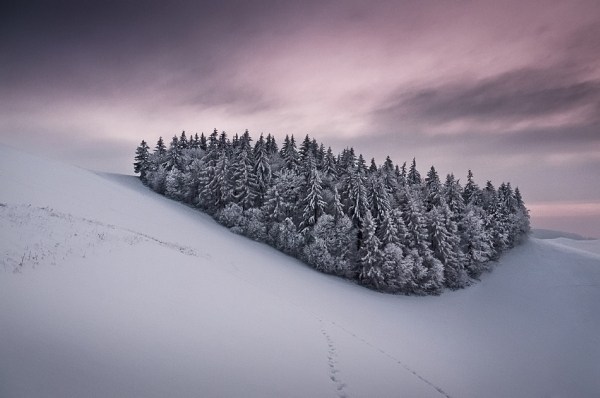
<point x="552" y="234"/>
<point x="107" y="289"/>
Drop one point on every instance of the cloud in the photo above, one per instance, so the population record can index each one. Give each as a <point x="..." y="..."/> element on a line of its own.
<point x="508" y="98"/>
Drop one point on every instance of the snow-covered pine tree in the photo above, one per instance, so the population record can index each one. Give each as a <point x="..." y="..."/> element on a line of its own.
<point x="271" y="145"/>
<point x="289" y="153"/>
<point x="445" y="244"/>
<point x="193" y="181"/>
<point x="373" y="166"/>
<point x="522" y="216"/>
<point x="431" y="279"/>
<point x="274" y="208"/>
<point x="413" y="177"/>
<point x="369" y="255"/>
<point x="361" y="165"/>
<point x="475" y="242"/>
<point x="329" y="166"/>
<point x="498" y="236"/>
<point x="453" y="197"/>
<point x="331" y="248"/>
<point x="173" y="156"/>
<point x="183" y="141"/>
<point x="141" y="164"/>
<point x="347" y="161"/>
<point x="219" y="189"/>
<point x="287" y="238"/>
<point x="337" y="209"/>
<point x="471" y="192"/>
<point x="245" y="186"/>
<point x="262" y="170"/>
<point x="305" y="149"/>
<point x="378" y="197"/>
<point x="432" y="189"/>
<point x="313" y="203"/>
<point x="160" y="148"/>
<point x="174" y="184"/>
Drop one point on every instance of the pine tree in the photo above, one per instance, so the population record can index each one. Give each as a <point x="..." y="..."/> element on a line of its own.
<point x="430" y="278"/>
<point x="274" y="208"/>
<point x="378" y="197"/>
<point x="361" y="165"/>
<point x="337" y="208"/>
<point x="387" y="232"/>
<point x="220" y="188"/>
<point x="202" y="142"/>
<point x="471" y="192"/>
<point x="289" y="154"/>
<point x="262" y="170"/>
<point x="521" y="216"/>
<point x="373" y="166"/>
<point x="305" y="149"/>
<point x="271" y="145"/>
<point x="330" y="249"/>
<point x="173" y="157"/>
<point x="183" y="141"/>
<point x="213" y="140"/>
<point x="432" y="189"/>
<point x="141" y="164"/>
<point x="445" y="244"/>
<point x="329" y="166"/>
<point x="174" y="184"/>
<point x="475" y="242"/>
<point x="313" y="201"/>
<point x="244" y="180"/>
<point x="347" y="161"/>
<point x="355" y="196"/>
<point x="388" y="166"/>
<point x="413" y="177"/>
<point x="160" y="148"/>
<point x="369" y="255"/>
<point x="453" y="197"/>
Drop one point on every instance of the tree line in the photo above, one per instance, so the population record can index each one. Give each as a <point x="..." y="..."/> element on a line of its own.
<point x="384" y="226"/>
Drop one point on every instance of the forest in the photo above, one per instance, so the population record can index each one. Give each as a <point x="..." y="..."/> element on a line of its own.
<point x="384" y="226"/>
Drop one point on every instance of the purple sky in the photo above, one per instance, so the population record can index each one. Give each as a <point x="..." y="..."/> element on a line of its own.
<point x="509" y="89"/>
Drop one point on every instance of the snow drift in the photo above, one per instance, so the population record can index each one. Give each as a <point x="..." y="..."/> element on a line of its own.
<point x="107" y="289"/>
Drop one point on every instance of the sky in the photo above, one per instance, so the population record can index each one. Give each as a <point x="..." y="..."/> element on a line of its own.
<point x="508" y="89"/>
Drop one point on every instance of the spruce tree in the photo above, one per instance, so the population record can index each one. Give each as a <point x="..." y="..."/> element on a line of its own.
<point x="244" y="181"/>
<point x="313" y="201"/>
<point x="262" y="170"/>
<point x="445" y="244"/>
<point x="432" y="189"/>
<point x="219" y="189"/>
<point x="141" y="164"/>
<point x="369" y="255"/>
<point x="413" y="177"/>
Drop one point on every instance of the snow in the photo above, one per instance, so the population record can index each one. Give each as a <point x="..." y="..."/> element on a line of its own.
<point x="108" y="289"/>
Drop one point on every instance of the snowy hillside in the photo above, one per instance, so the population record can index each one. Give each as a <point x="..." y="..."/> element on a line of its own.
<point x="108" y="289"/>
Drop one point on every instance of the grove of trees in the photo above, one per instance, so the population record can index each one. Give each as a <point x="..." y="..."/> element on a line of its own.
<point x="384" y="226"/>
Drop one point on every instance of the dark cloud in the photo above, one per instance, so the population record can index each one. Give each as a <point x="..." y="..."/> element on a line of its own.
<point x="92" y="48"/>
<point x="513" y="96"/>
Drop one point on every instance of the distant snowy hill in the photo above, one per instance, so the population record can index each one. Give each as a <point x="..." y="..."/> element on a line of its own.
<point x="551" y="234"/>
<point x="108" y="289"/>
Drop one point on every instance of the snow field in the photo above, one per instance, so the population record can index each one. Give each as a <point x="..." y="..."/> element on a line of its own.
<point x="107" y="289"/>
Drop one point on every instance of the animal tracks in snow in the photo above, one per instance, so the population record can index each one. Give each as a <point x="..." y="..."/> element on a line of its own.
<point x="332" y="363"/>
<point x="386" y="354"/>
